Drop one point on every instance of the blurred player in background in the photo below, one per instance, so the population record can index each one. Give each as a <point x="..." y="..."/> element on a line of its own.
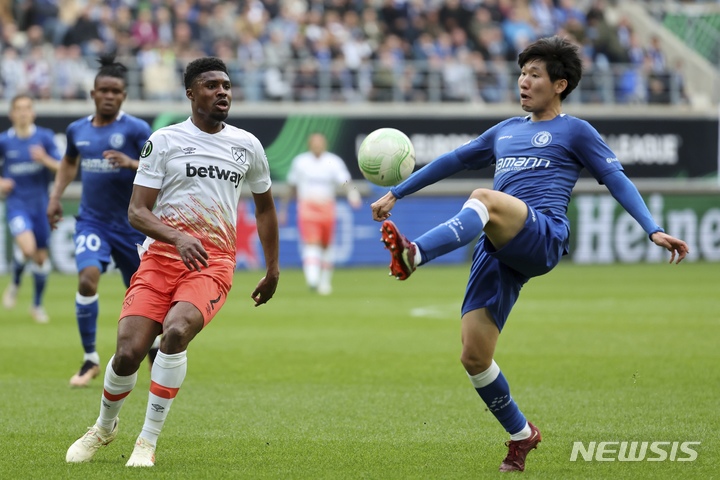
<point x="30" y="160"/>
<point x="313" y="180"/>
<point x="105" y="147"/>
<point x="538" y="159"/>
<point x="185" y="200"/>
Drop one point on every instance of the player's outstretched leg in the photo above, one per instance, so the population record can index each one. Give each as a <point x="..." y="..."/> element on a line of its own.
<point x="518" y="450"/>
<point x="457" y="232"/>
<point x="402" y="251"/>
<point x="85" y="447"/>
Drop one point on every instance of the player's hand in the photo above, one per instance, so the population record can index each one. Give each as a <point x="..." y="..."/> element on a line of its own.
<point x="6" y="186"/>
<point x="119" y="159"/>
<point x="192" y="252"/>
<point x="265" y="289"/>
<point x="38" y="154"/>
<point x="354" y="198"/>
<point x="381" y="208"/>
<point x="54" y="212"/>
<point x="675" y="246"/>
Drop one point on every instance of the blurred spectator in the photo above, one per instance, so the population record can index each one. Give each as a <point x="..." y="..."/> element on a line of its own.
<point x="143" y="30"/>
<point x="543" y="14"/>
<point x="566" y="11"/>
<point x="518" y="31"/>
<point x="71" y="75"/>
<point x="305" y="83"/>
<point x="604" y="37"/>
<point x="459" y="82"/>
<point x="39" y="76"/>
<point x="85" y="33"/>
<point x="657" y="57"/>
<point x="12" y="71"/>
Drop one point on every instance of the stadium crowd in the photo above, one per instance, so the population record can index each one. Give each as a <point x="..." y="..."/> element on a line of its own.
<point x="332" y="50"/>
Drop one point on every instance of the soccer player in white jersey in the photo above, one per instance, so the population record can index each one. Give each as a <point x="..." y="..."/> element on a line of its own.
<point x="522" y="219"/>
<point x="185" y="199"/>
<point x="313" y="180"/>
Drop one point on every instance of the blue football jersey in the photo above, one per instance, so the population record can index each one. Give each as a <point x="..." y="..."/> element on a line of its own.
<point x="106" y="189"/>
<point x="540" y="162"/>
<point x="31" y="178"/>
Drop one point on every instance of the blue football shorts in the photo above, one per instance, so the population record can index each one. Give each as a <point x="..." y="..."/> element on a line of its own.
<point x="30" y="219"/>
<point x="97" y="245"/>
<point x="496" y="276"/>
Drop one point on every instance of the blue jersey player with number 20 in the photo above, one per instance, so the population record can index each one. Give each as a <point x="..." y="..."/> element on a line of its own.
<point x="105" y="147"/>
<point x="538" y="159"/>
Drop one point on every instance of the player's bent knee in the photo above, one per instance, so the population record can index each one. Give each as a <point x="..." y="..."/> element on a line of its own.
<point x="482" y="194"/>
<point x="474" y="361"/>
<point x="127" y="360"/>
<point x="176" y="337"/>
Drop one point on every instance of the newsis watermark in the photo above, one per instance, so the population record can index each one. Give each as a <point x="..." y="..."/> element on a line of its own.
<point x="634" y="451"/>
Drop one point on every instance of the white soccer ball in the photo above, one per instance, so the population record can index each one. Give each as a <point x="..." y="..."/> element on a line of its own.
<point x="386" y="157"/>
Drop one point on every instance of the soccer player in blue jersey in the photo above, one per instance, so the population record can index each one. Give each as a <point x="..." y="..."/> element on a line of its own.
<point x="30" y="160"/>
<point x="105" y="147"/>
<point x="537" y="159"/>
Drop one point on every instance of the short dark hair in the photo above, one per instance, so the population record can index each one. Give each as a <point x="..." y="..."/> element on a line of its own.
<point x="110" y="68"/>
<point x="562" y="60"/>
<point x="202" y="65"/>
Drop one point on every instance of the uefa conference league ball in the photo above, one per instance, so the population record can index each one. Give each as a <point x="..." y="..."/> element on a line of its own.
<point x="386" y="157"/>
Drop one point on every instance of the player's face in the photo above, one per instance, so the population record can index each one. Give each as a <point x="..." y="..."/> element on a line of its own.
<point x="22" y="113"/>
<point x="537" y="93"/>
<point x="109" y="94"/>
<point x="317" y="144"/>
<point x="212" y="95"/>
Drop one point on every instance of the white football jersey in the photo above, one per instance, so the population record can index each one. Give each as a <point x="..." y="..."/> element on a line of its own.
<point x="200" y="176"/>
<point x="317" y="178"/>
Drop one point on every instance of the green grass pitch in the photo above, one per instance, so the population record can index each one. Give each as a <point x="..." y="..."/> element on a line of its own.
<point x="367" y="383"/>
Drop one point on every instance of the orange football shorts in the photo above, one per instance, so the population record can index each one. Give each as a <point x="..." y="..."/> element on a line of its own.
<point x="161" y="282"/>
<point x="316" y="222"/>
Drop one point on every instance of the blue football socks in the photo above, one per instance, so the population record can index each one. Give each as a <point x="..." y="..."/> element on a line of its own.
<point x="86" y="311"/>
<point x="457" y="232"/>
<point x="17" y="270"/>
<point x="40" y="278"/>
<point x="495" y="392"/>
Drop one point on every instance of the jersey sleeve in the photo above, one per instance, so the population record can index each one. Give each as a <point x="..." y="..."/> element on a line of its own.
<point x="480" y="152"/>
<point x="258" y="175"/>
<point x="592" y="152"/>
<point x="71" y="151"/>
<point x="142" y="133"/>
<point x="152" y="165"/>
